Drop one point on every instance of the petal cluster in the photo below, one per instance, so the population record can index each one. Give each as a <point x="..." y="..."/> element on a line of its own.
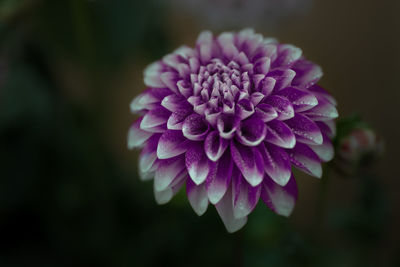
<point x="228" y="119"/>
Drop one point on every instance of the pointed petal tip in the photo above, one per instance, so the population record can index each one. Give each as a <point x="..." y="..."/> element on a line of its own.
<point x="235" y="225"/>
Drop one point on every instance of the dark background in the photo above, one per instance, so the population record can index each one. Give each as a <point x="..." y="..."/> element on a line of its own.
<point x="69" y="189"/>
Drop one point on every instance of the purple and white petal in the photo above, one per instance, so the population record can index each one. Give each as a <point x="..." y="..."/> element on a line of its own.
<point x="167" y="171"/>
<point x="249" y="161"/>
<point x="170" y="80"/>
<point x="225" y="211"/>
<point x="175" y="102"/>
<point x="136" y="136"/>
<point x="172" y="143"/>
<point x="152" y="75"/>
<point x="276" y="163"/>
<point x="307" y="74"/>
<point x="244" y="109"/>
<point x="287" y="55"/>
<point x="327" y="127"/>
<point x="306" y="130"/>
<point x="204" y="44"/>
<point x="148" y="157"/>
<point x="321" y="92"/>
<point x="265" y="112"/>
<point x="282" y="106"/>
<point x="280" y="199"/>
<point x="324" y="111"/>
<point x="244" y="196"/>
<point x="325" y="151"/>
<point x="164" y="196"/>
<point x="215" y="146"/>
<point x="251" y="132"/>
<point x="305" y="159"/>
<point x="278" y="133"/>
<point x="219" y="178"/>
<point x="227" y="125"/>
<point x="154" y="118"/>
<point x="197" y="196"/>
<point x="300" y="99"/>
<point x="283" y="78"/>
<point x="197" y="163"/>
<point x="175" y="121"/>
<point x="195" y="128"/>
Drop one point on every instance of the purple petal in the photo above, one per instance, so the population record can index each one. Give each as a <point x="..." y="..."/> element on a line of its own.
<point x="195" y="128"/>
<point x="148" y="100"/>
<point x="136" y="136"/>
<point x="175" y="121"/>
<point x="278" y="133"/>
<point x="249" y="161"/>
<point x="152" y="75"/>
<point x="172" y="143"/>
<point x="279" y="199"/>
<point x="148" y="157"/>
<point x="197" y="196"/>
<point x="301" y="100"/>
<point x="215" y="146"/>
<point x="244" y="196"/>
<point x="306" y="130"/>
<point x="167" y="170"/>
<point x="197" y="163"/>
<point x="212" y="116"/>
<point x="175" y="102"/>
<point x="256" y="98"/>
<point x="276" y="163"/>
<point x="287" y="54"/>
<point x="219" y="178"/>
<point x="305" y="159"/>
<point x="225" y="211"/>
<point x="262" y="65"/>
<point x="283" y="78"/>
<point x="325" y="151"/>
<point x="204" y="45"/>
<point x="327" y="127"/>
<point x="282" y="106"/>
<point x="251" y="132"/>
<point x="184" y="88"/>
<point x="227" y="125"/>
<point x="154" y="117"/>
<point x="142" y="102"/>
<point x="225" y="41"/>
<point x="265" y="112"/>
<point x="244" y="108"/>
<point x="322" y="112"/>
<point x="164" y="196"/>
<point x="307" y="74"/>
<point x="241" y="58"/>
<point x="267" y="85"/>
<point x="319" y="91"/>
<point x="170" y="79"/>
<point x="173" y="60"/>
<point x="185" y="52"/>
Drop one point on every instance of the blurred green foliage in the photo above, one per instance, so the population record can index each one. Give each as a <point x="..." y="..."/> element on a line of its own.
<point x="67" y="200"/>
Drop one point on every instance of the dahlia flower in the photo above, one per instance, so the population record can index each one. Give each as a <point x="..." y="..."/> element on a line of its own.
<point x="228" y="119"/>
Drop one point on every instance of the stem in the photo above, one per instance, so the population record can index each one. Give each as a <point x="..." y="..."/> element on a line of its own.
<point x="321" y="201"/>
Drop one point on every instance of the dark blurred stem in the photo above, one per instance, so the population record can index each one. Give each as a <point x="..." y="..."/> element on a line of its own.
<point x="238" y="249"/>
<point x="322" y="198"/>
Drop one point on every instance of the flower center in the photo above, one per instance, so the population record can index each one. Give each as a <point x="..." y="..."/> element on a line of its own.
<point x="220" y="86"/>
